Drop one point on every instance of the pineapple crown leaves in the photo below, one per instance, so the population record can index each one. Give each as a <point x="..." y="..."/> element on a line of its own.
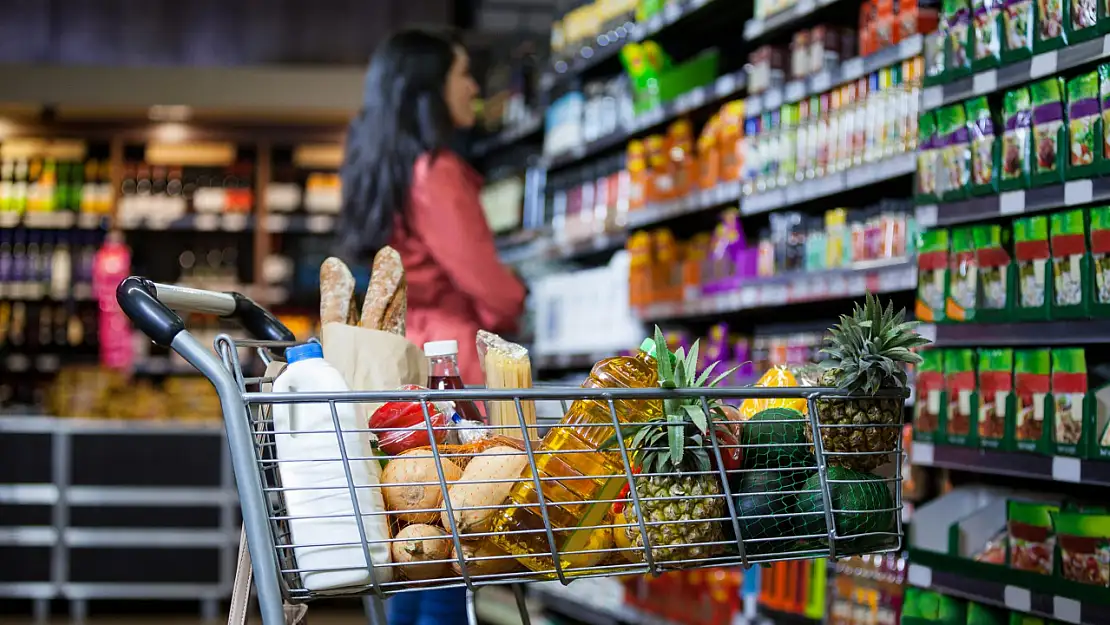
<point x="869" y="348"/>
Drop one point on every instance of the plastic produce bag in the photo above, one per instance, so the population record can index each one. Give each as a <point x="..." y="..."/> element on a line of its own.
<point x="408" y="415"/>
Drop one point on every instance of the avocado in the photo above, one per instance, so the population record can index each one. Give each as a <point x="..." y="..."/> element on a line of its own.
<point x="782" y="444"/>
<point x="863" y="506"/>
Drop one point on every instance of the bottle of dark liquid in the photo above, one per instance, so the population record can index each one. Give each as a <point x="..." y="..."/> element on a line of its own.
<point x="443" y="373"/>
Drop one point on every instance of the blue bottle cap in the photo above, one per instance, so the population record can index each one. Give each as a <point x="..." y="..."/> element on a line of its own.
<point x="298" y="353"/>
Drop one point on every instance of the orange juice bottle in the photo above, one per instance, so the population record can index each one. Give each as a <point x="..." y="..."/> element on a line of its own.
<point x="666" y="265"/>
<point x="732" y="131"/>
<point x="709" y="154"/>
<point x="684" y="164"/>
<point x="575" y="506"/>
<point x="660" y="187"/>
<point x="637" y="167"/>
<point x="640" y="267"/>
<point x="697" y="252"/>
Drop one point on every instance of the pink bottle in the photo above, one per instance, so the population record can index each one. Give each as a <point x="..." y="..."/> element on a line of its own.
<point x="111" y="265"/>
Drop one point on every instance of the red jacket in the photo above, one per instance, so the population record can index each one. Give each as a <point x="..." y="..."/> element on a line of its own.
<point x="456" y="282"/>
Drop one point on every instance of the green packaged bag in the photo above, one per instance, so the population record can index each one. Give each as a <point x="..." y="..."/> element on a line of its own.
<point x="963" y="277"/>
<point x="1017" y="128"/>
<point x="995" y="398"/>
<point x="935" y="64"/>
<point x="1071" y="286"/>
<point x="996" y="273"/>
<point x="984" y="148"/>
<point x="1084" y="542"/>
<point x="1082" y="22"/>
<point x="986" y="34"/>
<point x="932" y="276"/>
<point x="1050" y="33"/>
<point x="955" y="152"/>
<point x="1069" y="401"/>
<point x="1032" y="254"/>
<point x="959" y="387"/>
<point x="1084" y="126"/>
<point x="1032" y="383"/>
<point x="929" y="409"/>
<point x="957" y="14"/>
<point x="921" y="607"/>
<point x="1018" y="17"/>
<point x="1049" y="132"/>
<point x="928" y="159"/>
<point x="1032" y="543"/>
<point x="1104" y="100"/>
<point x="1100" y="261"/>
<point x="979" y="614"/>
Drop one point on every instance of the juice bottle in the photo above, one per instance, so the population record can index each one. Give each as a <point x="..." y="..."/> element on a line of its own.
<point x="709" y="156"/>
<point x="684" y="165"/>
<point x="637" y="175"/>
<point x="639" y="273"/>
<point x="571" y="450"/>
<point x="660" y="186"/>
<point x="443" y="374"/>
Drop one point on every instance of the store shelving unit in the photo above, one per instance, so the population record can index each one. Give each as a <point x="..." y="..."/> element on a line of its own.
<point x="1032" y="334"/>
<point x="1014" y="464"/>
<point x="158" y="522"/>
<point x="1015" y="203"/>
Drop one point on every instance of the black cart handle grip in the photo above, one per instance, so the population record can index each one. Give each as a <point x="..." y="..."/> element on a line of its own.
<point x="150" y="306"/>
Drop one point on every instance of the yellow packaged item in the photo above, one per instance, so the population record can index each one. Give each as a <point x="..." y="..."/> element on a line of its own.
<point x="776" y="377"/>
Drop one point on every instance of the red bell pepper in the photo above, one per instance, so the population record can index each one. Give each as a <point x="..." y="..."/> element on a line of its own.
<point x="400" y="425"/>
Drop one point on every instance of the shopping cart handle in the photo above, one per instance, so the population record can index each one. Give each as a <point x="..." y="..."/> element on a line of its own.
<point x="150" y="307"/>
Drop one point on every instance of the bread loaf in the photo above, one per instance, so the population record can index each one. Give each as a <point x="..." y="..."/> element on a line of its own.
<point x="385" y="281"/>
<point x="397" y="309"/>
<point x="337" y="291"/>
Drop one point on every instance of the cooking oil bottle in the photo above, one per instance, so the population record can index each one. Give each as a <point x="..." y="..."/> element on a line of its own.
<point x="571" y="450"/>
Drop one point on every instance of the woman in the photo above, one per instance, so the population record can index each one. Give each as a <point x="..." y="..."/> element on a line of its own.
<point x="404" y="187"/>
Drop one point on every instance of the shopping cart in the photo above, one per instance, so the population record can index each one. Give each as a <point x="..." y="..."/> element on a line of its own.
<point x="785" y="500"/>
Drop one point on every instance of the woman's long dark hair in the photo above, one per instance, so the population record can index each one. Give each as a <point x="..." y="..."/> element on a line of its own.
<point x="403" y="116"/>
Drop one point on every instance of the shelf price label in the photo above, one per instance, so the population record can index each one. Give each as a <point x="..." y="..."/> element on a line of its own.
<point x="725" y="85"/>
<point x="1065" y="469"/>
<point x="1078" y="192"/>
<point x="1067" y="610"/>
<point x="1017" y="599"/>
<point x="984" y="82"/>
<point x="207" y="222"/>
<point x="1043" y="64"/>
<point x="920" y="576"/>
<point x="1011" y="202"/>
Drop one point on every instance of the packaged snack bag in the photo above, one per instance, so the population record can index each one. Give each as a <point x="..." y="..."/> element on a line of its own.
<point x="1085" y="132"/>
<point x="1048" y="131"/>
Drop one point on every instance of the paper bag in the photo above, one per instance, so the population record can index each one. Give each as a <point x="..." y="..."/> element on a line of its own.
<point x="371" y="360"/>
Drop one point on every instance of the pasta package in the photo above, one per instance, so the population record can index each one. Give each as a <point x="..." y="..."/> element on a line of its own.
<point x="506" y="366"/>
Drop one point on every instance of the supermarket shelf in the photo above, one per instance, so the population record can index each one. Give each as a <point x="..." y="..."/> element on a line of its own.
<point x="40" y="424"/>
<point x="1036" y="333"/>
<point x="1018" y="599"/>
<point x="53" y="220"/>
<point x="723" y="88"/>
<point x="729" y="192"/>
<point x="43" y="363"/>
<point x="754" y="29"/>
<point x="300" y="223"/>
<point x="886" y="277"/>
<point x="850" y="69"/>
<point x="144" y="591"/>
<point x="1015" y="203"/>
<point x="1015" y="464"/>
<point x="142" y="537"/>
<point x="524" y="130"/>
<point x="1014" y="74"/>
<point x="197" y="222"/>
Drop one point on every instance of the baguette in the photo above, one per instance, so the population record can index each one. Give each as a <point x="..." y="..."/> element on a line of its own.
<point x="397" y="310"/>
<point x="385" y="281"/>
<point x="337" y="291"/>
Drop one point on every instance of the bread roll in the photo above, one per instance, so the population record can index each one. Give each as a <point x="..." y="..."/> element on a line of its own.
<point x="385" y="281"/>
<point x="337" y="291"/>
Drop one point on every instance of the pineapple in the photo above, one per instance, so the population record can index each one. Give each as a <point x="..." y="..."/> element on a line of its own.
<point x="682" y="501"/>
<point x="866" y="352"/>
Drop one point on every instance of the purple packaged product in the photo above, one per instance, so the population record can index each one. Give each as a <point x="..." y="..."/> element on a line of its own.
<point x="742" y="357"/>
<point x="715" y="347"/>
<point x="726" y="246"/>
<point x="747" y="264"/>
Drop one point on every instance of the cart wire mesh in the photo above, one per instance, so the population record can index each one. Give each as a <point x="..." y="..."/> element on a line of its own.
<point x="773" y="491"/>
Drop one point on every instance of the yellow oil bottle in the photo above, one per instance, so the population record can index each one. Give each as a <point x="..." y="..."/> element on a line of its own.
<point x="576" y="476"/>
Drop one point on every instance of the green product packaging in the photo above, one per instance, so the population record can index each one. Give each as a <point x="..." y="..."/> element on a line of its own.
<point x="996" y="273"/>
<point x="932" y="276"/>
<point x="1049" y="33"/>
<point x="1049" y="131"/>
<point x="995" y="397"/>
<point x="979" y="614"/>
<point x="955" y="152"/>
<point x="963" y="277"/>
<point x="1069" y="401"/>
<point x="1104" y="102"/>
<point x="1017" y="30"/>
<point x="1032" y="254"/>
<point x="928" y="159"/>
<point x="1071" y="284"/>
<point x="959" y="386"/>
<point x="921" y="607"/>
<point x="986" y="16"/>
<point x="1033" y="402"/>
<point x="957" y="14"/>
<point x="1100" y="261"/>
<point x="1017" y="618"/>
<point x="934" y="47"/>
<point x="1084" y="541"/>
<point x="1099" y="407"/>
<point x="1032" y="543"/>
<point x="1017" y="140"/>
<point x="985" y="149"/>
<point x="929" y="409"/>
<point x="1084" y="127"/>
<point x="1083" y="20"/>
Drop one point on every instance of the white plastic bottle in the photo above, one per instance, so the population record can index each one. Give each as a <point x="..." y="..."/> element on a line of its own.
<point x="323" y="514"/>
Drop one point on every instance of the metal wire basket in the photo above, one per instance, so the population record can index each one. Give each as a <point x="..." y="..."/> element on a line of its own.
<point x="787" y="497"/>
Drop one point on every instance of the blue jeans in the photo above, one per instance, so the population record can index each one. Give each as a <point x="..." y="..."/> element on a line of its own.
<point x="445" y="606"/>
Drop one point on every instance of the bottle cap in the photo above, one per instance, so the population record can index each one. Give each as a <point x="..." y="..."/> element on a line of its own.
<point x="298" y="353"/>
<point x="648" y="347"/>
<point x="441" y="348"/>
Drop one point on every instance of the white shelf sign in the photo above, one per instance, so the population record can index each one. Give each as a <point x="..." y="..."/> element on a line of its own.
<point x="1017" y="599"/>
